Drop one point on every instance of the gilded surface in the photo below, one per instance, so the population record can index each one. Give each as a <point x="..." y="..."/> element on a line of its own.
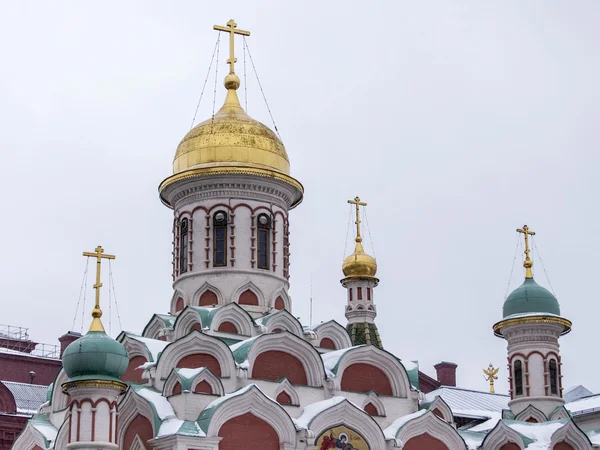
<point x="359" y="264"/>
<point x="533" y="319"/>
<point x="97" y="312"/>
<point x="343" y="438"/>
<point x="113" y="384"/>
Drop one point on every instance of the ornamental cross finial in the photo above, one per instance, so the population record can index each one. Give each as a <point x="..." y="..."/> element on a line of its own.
<point x="231" y="28"/>
<point x="97" y="312"/>
<point x="491" y="374"/>
<point x="358" y="204"/>
<point x="528" y="263"/>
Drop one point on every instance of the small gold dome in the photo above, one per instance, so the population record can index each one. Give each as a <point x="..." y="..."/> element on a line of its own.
<point x="231" y="139"/>
<point x="359" y="264"/>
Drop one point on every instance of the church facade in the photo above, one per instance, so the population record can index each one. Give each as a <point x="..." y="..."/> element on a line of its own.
<point x="230" y="367"/>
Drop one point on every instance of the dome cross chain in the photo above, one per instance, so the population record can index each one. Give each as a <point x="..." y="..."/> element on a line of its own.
<point x="358" y="204"/>
<point x="97" y="312"/>
<point x="231" y="28"/>
<point x="528" y="264"/>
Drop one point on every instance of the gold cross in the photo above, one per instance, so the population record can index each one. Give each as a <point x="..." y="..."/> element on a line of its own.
<point x="490" y="374"/>
<point x="358" y="204"/>
<point x="97" y="312"/>
<point x="231" y="28"/>
<point x="528" y="263"/>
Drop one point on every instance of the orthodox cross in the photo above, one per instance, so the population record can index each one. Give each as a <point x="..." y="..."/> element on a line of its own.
<point x="527" y="263"/>
<point x="231" y="28"/>
<point x="358" y="204"/>
<point x="97" y="312"/>
<point x="490" y="374"/>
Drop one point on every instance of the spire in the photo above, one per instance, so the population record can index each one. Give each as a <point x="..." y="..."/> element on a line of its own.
<point x="97" y="312"/>
<point x="528" y="263"/>
<point x="359" y="263"/>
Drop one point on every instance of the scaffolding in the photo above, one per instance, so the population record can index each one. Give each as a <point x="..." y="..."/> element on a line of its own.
<point x="16" y="339"/>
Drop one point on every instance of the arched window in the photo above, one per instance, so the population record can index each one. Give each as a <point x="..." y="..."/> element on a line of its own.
<point x="220" y="239"/>
<point x="553" y="377"/>
<point x="264" y="225"/>
<point x="183" y="245"/>
<point x="518" y="377"/>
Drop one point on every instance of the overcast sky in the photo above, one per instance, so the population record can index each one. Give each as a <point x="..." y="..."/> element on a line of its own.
<point x="456" y="121"/>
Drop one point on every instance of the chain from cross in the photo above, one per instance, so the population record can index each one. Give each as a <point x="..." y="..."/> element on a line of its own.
<point x="99" y="255"/>
<point x="528" y="264"/>
<point x="358" y="204"/>
<point x="231" y="28"/>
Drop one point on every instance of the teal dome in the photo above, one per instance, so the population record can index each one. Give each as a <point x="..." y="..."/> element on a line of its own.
<point x="95" y="356"/>
<point x="530" y="297"/>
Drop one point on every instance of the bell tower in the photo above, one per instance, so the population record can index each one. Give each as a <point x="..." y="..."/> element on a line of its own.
<point x="532" y="326"/>
<point x="359" y="280"/>
<point x="231" y="192"/>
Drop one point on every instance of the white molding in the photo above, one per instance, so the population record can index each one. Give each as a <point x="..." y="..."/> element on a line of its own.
<point x="334" y="331"/>
<point x="207" y="287"/>
<point x="154" y="328"/>
<point x="439" y="404"/>
<point x="205" y="375"/>
<point x="186" y="320"/>
<point x="435" y="427"/>
<point x="560" y="414"/>
<point x="176" y="294"/>
<point x="345" y="413"/>
<point x="191" y="344"/>
<point x="374" y="356"/>
<point x="255" y="402"/>
<point x="501" y="435"/>
<point x="29" y="438"/>
<point x="284" y="320"/>
<point x="129" y="407"/>
<point x="60" y="400"/>
<point x="234" y="313"/>
<point x="531" y="412"/>
<point x="249" y="285"/>
<point x="287" y="387"/>
<point x="135" y="348"/>
<point x="572" y="435"/>
<point x="293" y="345"/>
<point x="284" y="296"/>
<point x="374" y="399"/>
<point x="137" y="443"/>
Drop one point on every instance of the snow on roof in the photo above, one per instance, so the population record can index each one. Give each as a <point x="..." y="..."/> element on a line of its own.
<point x="41" y="423"/>
<point x="161" y="405"/>
<point x="459" y="399"/>
<point x="25" y="354"/>
<point x="473" y="440"/>
<point x="593" y="436"/>
<point x="491" y="418"/>
<point x="189" y="373"/>
<point x="332" y="359"/>
<point x="154" y="346"/>
<point x="28" y="397"/>
<point x="313" y="410"/>
<point x="225" y="397"/>
<point x="584" y="405"/>
<point x="392" y="431"/>
<point x="541" y="433"/>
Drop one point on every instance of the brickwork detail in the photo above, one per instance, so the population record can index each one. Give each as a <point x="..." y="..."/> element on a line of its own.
<point x="248" y="298"/>
<point x="200" y="360"/>
<point x="424" y="441"/>
<point x="140" y="426"/>
<point x="208" y="298"/>
<point x="248" y="432"/>
<point x="273" y="364"/>
<point x="362" y="377"/>
<point x="133" y="373"/>
<point x="228" y="327"/>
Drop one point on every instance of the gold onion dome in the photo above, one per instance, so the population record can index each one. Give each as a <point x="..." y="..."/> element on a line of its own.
<point x="231" y="139"/>
<point x="359" y="264"/>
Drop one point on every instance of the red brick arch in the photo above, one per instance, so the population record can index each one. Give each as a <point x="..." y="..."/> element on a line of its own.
<point x="133" y="374"/>
<point x="371" y="410"/>
<point x="7" y="400"/>
<point x="200" y="360"/>
<point x="203" y="388"/>
<point x="438" y="413"/>
<point x="208" y="298"/>
<point x="424" y="441"/>
<point x="248" y="298"/>
<point x="179" y="305"/>
<point x="360" y="377"/>
<point x="510" y="446"/>
<point x="177" y="389"/>
<point x="141" y="427"/>
<point x="562" y="446"/>
<point x="248" y="432"/>
<point x="279" y="303"/>
<point x="274" y="364"/>
<point x="284" y="399"/>
<point x="228" y="327"/>
<point x="327" y="343"/>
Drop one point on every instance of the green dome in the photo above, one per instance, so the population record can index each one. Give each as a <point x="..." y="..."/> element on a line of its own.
<point x="530" y="297"/>
<point x="95" y="356"/>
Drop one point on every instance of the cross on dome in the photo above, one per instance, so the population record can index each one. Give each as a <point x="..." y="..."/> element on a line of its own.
<point x="231" y="28"/>
<point x="97" y="312"/>
<point x="528" y="263"/>
<point x="358" y="204"/>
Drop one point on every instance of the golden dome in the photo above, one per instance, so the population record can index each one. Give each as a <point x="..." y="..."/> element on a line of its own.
<point x="359" y="264"/>
<point x="231" y="139"/>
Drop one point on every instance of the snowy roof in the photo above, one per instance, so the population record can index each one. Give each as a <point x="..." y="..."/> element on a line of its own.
<point x="25" y="354"/>
<point x="465" y="400"/>
<point x="48" y="431"/>
<point x="392" y="431"/>
<point x="314" y="409"/>
<point x="28" y="397"/>
<point x="154" y="346"/>
<point x="584" y="405"/>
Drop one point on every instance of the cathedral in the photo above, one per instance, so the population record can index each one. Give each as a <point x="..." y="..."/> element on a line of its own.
<point x="230" y="367"/>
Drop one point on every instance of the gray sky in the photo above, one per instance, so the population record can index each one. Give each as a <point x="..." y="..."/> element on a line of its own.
<point x="456" y="121"/>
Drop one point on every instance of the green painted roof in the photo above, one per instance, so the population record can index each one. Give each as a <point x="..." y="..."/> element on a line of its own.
<point x="95" y="356"/>
<point x="364" y="333"/>
<point x="530" y="297"/>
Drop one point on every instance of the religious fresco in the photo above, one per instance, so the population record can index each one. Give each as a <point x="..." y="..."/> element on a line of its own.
<point x="342" y="438"/>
